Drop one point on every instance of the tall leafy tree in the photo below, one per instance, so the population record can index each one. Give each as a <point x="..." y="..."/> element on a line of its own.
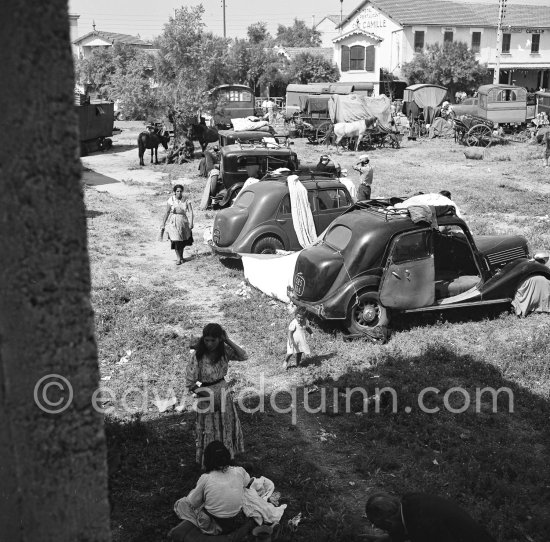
<point x="189" y="62"/>
<point x="310" y="68"/>
<point x="257" y="33"/>
<point x="298" y="35"/>
<point x="133" y="84"/>
<point x="452" y="65"/>
<point x="96" y="70"/>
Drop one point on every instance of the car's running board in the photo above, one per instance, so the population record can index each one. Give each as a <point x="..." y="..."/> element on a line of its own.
<point x="460" y="305"/>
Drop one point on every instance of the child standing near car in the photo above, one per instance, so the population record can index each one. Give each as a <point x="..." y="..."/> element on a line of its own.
<point x="296" y="340"/>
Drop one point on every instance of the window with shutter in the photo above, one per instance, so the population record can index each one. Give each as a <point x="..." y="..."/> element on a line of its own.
<point x="357" y="57"/>
<point x="476" y="41"/>
<point x="506" y="39"/>
<point x="535" y="43"/>
<point x="418" y="40"/>
<point x="369" y="58"/>
<point x="345" y="59"/>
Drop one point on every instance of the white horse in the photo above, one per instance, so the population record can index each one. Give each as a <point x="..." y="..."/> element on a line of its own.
<point x="356" y="129"/>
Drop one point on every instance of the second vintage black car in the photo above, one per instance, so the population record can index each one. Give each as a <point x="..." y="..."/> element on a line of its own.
<point x="260" y="221"/>
<point x="374" y="261"/>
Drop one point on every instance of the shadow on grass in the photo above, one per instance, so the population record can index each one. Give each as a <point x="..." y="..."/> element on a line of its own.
<point x="93" y="214"/>
<point x="406" y="322"/>
<point x="492" y="461"/>
<point x="316" y="360"/>
<point x="235" y="264"/>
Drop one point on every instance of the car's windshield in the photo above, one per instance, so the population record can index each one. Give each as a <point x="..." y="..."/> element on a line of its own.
<point x="244" y="199"/>
<point x="338" y="237"/>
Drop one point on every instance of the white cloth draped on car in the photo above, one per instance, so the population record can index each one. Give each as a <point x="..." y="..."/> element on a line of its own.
<point x="302" y="218"/>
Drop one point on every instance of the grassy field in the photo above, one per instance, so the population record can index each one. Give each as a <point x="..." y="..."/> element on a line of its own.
<point x="325" y="463"/>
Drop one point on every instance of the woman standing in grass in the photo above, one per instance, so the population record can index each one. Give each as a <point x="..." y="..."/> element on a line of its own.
<point x="217" y="417"/>
<point x="178" y="221"/>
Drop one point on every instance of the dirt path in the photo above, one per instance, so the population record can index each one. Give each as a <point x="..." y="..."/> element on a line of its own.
<point x="153" y="261"/>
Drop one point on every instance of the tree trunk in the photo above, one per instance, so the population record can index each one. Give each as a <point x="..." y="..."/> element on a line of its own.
<point x="53" y="476"/>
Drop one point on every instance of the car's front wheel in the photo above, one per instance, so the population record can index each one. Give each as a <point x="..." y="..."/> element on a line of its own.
<point x="367" y="315"/>
<point x="267" y="245"/>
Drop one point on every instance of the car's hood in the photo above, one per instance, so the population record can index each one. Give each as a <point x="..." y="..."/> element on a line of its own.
<point x="501" y="249"/>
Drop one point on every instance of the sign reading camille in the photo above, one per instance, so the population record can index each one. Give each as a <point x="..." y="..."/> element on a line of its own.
<point x="369" y="19"/>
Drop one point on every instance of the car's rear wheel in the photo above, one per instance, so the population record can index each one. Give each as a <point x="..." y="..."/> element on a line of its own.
<point x="366" y="314"/>
<point x="267" y="245"/>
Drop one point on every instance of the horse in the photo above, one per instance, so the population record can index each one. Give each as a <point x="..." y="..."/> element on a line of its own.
<point x="151" y="140"/>
<point x="357" y="129"/>
<point x="203" y="134"/>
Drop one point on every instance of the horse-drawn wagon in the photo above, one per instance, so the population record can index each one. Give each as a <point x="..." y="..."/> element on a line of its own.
<point x="505" y="107"/>
<point x="420" y="102"/>
<point x="95" y="123"/>
<point x="366" y="120"/>
<point x="473" y="131"/>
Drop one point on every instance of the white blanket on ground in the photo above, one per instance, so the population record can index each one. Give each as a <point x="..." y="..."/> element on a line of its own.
<point x="302" y="218"/>
<point x="256" y="506"/>
<point x="270" y="273"/>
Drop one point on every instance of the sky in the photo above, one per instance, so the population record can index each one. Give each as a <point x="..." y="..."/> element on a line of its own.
<point x="147" y="17"/>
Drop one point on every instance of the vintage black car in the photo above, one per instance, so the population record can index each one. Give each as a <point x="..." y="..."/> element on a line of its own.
<point x="260" y="220"/>
<point x="231" y="137"/>
<point x="375" y="260"/>
<point x="240" y="161"/>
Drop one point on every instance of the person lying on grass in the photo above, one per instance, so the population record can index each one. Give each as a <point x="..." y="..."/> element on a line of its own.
<point x="421" y="517"/>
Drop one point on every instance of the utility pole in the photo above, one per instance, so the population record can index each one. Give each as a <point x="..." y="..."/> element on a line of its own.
<point x="501" y="12"/>
<point x="341" y="14"/>
<point x="223" y="3"/>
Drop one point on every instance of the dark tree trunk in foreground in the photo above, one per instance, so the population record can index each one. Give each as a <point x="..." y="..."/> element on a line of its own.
<point x="53" y="476"/>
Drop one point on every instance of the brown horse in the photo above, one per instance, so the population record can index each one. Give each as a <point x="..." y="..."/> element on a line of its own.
<point x="151" y="140"/>
<point x="203" y="134"/>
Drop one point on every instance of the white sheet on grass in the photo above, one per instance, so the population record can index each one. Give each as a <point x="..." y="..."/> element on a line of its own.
<point x="270" y="273"/>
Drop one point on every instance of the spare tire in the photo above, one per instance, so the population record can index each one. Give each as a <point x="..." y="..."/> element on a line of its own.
<point x="267" y="245"/>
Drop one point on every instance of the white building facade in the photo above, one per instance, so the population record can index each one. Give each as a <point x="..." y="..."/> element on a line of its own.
<point x="384" y="34"/>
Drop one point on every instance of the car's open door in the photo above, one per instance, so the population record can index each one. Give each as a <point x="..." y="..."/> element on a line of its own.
<point x="408" y="280"/>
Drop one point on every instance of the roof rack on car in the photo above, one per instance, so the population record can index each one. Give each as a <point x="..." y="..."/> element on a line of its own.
<point x="386" y="207"/>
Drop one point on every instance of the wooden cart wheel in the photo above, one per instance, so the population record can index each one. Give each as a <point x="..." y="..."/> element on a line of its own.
<point x="323" y="132"/>
<point x="479" y="136"/>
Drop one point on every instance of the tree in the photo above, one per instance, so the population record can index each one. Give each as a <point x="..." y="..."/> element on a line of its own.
<point x="96" y="70"/>
<point x="257" y="33"/>
<point x="189" y="62"/>
<point x="452" y="65"/>
<point x="53" y="466"/>
<point x="310" y="68"/>
<point x="132" y="84"/>
<point x="298" y="35"/>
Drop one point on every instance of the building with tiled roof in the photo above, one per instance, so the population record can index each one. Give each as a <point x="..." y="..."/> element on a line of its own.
<point x="384" y="34"/>
<point x="92" y="40"/>
<point x="328" y="27"/>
